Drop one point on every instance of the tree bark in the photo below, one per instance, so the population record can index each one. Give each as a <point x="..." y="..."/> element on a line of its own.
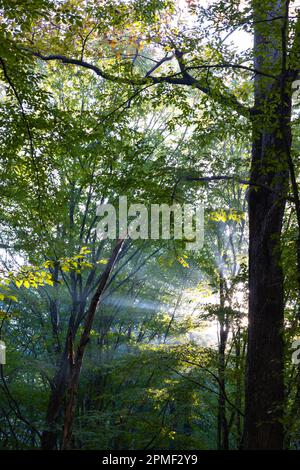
<point x="271" y="139"/>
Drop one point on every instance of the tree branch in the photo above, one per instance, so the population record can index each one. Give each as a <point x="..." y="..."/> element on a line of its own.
<point x="224" y="97"/>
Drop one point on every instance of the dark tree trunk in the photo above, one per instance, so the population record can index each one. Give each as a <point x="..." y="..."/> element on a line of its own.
<point x="223" y="437"/>
<point x="271" y="141"/>
<point x="49" y="435"/>
<point x="264" y="387"/>
<point x="76" y="364"/>
<point x="238" y="386"/>
<point x="66" y="380"/>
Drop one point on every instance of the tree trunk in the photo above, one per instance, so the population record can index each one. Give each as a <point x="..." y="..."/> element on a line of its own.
<point x="67" y="377"/>
<point x="238" y="386"/>
<point x="223" y="438"/>
<point x="84" y="338"/>
<point x="49" y="435"/>
<point x="271" y="140"/>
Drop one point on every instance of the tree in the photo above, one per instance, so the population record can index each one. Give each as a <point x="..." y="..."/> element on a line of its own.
<point x="201" y="61"/>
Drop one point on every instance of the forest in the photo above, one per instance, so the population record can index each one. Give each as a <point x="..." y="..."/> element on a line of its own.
<point x="150" y="225"/>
